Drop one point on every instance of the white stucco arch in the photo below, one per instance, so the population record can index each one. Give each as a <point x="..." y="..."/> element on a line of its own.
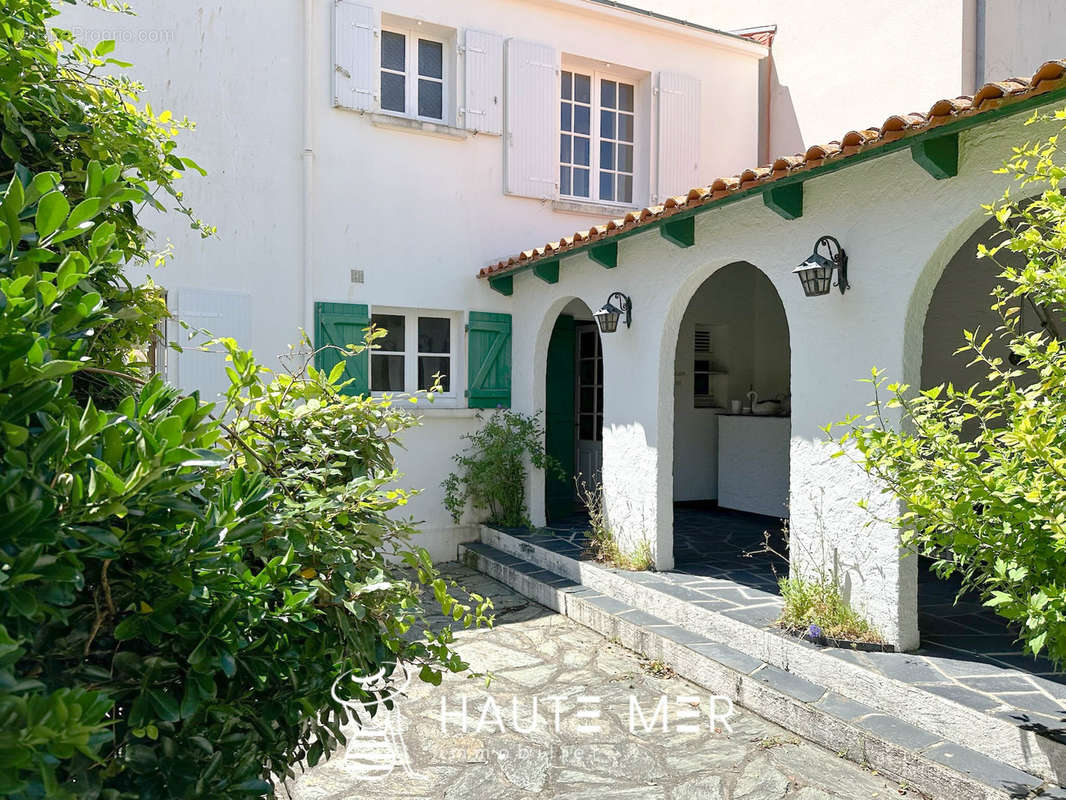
<point x="536" y="481"/>
<point x="677" y="307"/>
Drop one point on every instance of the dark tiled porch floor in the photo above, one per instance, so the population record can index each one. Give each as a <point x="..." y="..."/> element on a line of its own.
<point x="967" y="652"/>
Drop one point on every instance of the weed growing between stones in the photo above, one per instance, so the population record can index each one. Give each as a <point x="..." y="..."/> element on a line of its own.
<point x="603" y="545"/>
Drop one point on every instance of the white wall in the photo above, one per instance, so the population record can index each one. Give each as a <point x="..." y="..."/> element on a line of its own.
<point x="898" y="241"/>
<point x="849" y="67"/>
<point x="1019" y="35"/>
<point x="418" y="214"/>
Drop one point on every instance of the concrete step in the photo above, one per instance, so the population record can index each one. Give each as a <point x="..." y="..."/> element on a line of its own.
<point x="1000" y="741"/>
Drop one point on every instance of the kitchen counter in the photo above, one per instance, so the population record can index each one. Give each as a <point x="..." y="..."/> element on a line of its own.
<point x="753" y="463"/>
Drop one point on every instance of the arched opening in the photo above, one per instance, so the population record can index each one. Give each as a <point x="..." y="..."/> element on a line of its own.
<point x="573" y="410"/>
<point x="732" y="429"/>
<point x="962" y="300"/>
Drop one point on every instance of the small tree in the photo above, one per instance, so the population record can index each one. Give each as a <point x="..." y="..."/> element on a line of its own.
<point x="491" y="470"/>
<point x="981" y="471"/>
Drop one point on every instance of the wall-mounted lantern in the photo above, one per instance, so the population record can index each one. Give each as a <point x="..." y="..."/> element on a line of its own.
<point x="607" y="316"/>
<point x="816" y="273"/>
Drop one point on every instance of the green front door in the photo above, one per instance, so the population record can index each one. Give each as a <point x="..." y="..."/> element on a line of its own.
<point x="559" y="494"/>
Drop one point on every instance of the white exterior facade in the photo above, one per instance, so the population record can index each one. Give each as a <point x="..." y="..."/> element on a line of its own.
<point x="321" y="195"/>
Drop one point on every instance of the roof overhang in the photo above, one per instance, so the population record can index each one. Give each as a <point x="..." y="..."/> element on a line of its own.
<point x="931" y="139"/>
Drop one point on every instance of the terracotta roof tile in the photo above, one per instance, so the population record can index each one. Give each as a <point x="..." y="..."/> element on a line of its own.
<point x="1051" y="75"/>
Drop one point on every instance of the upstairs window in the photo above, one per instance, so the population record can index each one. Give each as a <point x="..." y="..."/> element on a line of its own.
<point x="596" y="138"/>
<point x="413" y="75"/>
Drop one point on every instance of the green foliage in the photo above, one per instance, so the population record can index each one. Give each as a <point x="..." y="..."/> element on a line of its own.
<point x="982" y="470"/>
<point x="491" y="474"/>
<point x="820" y="603"/>
<point x="603" y="545"/>
<point x="177" y="595"/>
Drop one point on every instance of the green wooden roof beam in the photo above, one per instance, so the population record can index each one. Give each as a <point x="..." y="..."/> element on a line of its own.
<point x="939" y="156"/>
<point x="606" y="255"/>
<point x="681" y="231"/>
<point x="504" y="284"/>
<point x="547" y="271"/>
<point x="832" y="165"/>
<point x="786" y="200"/>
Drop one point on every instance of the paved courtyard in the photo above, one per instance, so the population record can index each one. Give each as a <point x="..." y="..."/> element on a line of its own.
<point x="967" y="655"/>
<point x="537" y="656"/>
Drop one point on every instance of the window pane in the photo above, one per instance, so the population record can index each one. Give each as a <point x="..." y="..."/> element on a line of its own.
<point x="430" y="59"/>
<point x="565" y="119"/>
<point x="582" y="88"/>
<point x="564" y="148"/>
<point x="599" y="427"/>
<point x="702" y="384"/>
<point x="581" y="151"/>
<point x="587" y="344"/>
<point x="581" y="182"/>
<point x="434" y="334"/>
<point x="567" y="85"/>
<point x="625" y="158"/>
<point x="606" y="186"/>
<point x="392" y="92"/>
<point x="625" y="189"/>
<point x="588" y="399"/>
<point x="607" y="94"/>
<point x="587" y="372"/>
<point x="581" y="119"/>
<point x="430" y="99"/>
<point x="393" y="325"/>
<point x="428" y="366"/>
<point x="606" y="155"/>
<point x="607" y="124"/>
<point x="625" y="127"/>
<point x="587" y="427"/>
<point x="386" y="373"/>
<point x="625" y="97"/>
<point x="564" y="180"/>
<point x="393" y="51"/>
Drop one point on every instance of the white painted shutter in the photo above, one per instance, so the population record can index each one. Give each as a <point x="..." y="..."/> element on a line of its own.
<point x="532" y="147"/>
<point x="679" y="134"/>
<point x="483" y="101"/>
<point x="220" y="313"/>
<point x="354" y="55"/>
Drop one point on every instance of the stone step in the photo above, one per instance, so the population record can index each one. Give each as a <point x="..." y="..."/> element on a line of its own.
<point x="1001" y="739"/>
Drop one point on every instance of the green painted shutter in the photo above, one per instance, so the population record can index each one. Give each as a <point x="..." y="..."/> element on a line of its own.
<point x="342" y="324"/>
<point x="489" y="360"/>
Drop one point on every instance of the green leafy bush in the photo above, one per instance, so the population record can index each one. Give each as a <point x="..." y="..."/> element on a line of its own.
<point x="491" y="470"/>
<point x="177" y="595"/>
<point x="982" y="470"/>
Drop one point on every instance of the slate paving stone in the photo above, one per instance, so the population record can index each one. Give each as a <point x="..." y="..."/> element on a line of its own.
<point x="983" y="768"/>
<point x="964" y="696"/>
<point x="724" y="654"/>
<point x="1035" y="701"/>
<point x="792" y="685"/>
<point x="896" y="730"/>
<point x="843" y="707"/>
<point x="905" y="668"/>
<point x="568" y="765"/>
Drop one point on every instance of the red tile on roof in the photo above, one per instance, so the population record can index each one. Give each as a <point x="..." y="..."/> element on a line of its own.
<point x="1051" y="75"/>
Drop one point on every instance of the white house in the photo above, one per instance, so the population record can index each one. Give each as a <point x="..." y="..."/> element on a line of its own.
<point x="366" y="159"/>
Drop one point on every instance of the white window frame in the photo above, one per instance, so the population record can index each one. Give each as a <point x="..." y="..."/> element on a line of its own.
<point x="411" y="76"/>
<point x="594" y="130"/>
<point x="411" y="352"/>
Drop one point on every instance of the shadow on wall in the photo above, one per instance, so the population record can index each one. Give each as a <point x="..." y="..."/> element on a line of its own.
<point x="784" y="136"/>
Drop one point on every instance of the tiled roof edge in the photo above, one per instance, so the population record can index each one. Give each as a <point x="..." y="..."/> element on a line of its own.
<point x="998" y="95"/>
